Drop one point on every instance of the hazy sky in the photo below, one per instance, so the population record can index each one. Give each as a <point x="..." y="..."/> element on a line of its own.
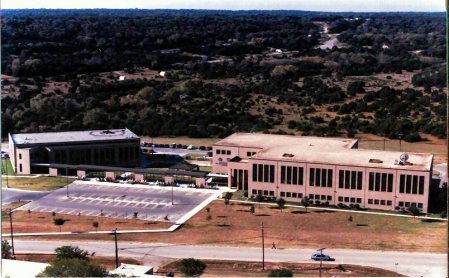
<point x="310" y="5"/>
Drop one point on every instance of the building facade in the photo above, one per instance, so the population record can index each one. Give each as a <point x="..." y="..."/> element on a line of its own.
<point x="326" y="170"/>
<point x="35" y="152"/>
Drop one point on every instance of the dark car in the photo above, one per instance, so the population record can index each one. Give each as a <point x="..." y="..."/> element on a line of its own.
<point x="319" y="257"/>
<point x="208" y="148"/>
<point x="202" y="148"/>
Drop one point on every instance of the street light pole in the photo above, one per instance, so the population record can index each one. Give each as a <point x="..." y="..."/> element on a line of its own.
<point x="67" y="180"/>
<point x="321" y="258"/>
<point x="263" y="247"/>
<point x="12" y="233"/>
<point x="116" y="248"/>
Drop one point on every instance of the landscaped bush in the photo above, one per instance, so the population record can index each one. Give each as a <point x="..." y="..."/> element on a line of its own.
<point x="191" y="267"/>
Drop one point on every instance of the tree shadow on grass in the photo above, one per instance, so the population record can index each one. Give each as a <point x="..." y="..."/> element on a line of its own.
<point x="431" y="221"/>
<point x="121" y="222"/>
<point x="262" y="214"/>
<point x="362" y="225"/>
<point x="243" y="210"/>
<point x="221" y="216"/>
<point x="223" y="225"/>
<point x="299" y="212"/>
<point x="324" y="211"/>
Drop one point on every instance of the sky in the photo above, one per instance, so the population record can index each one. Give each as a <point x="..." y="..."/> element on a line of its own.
<point x="308" y="5"/>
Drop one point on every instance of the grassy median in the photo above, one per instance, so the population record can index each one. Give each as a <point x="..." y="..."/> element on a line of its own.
<point x="36" y="184"/>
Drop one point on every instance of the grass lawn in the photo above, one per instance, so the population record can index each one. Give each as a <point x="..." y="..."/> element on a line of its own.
<point x="293" y="228"/>
<point x="107" y="262"/>
<point x="217" y="268"/>
<point x="25" y="222"/>
<point x="37" y="184"/>
<point x="7" y="168"/>
<point x="206" y="168"/>
<point x="182" y="140"/>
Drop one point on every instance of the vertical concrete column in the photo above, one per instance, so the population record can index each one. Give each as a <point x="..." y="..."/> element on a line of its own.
<point x="200" y="182"/>
<point x="80" y="173"/>
<point x="169" y="179"/>
<point x="138" y="177"/>
<point x="110" y="175"/>
<point x="53" y="172"/>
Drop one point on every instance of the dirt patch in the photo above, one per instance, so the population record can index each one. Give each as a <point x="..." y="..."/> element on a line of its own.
<point x="220" y="268"/>
<point x="298" y="230"/>
<point x="25" y="222"/>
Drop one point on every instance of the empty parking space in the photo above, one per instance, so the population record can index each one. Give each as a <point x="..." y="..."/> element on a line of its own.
<point x="152" y="203"/>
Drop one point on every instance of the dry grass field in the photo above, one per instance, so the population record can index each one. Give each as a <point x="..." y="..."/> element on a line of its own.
<point x="218" y="268"/>
<point x="25" y="222"/>
<point x="293" y="228"/>
<point x="36" y="184"/>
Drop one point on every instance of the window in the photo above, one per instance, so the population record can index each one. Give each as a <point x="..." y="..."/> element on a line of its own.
<point x="389" y="203"/>
<point x="254" y="191"/>
<point x="228" y="152"/>
<point x="320" y="177"/>
<point x="359" y="200"/>
<point x="312" y="177"/>
<point x="371" y="181"/>
<point x="282" y="174"/>
<point x="317" y="197"/>
<point x="282" y="194"/>
<point x="259" y="192"/>
<point x="401" y="204"/>
<point x="382" y="202"/>
<point x="271" y="173"/>
<point x="346" y="199"/>
<point x="370" y="201"/>
<point x="20" y="156"/>
<point x="299" y="195"/>
<point x="260" y="172"/>
<point x="420" y="205"/>
<point x="20" y="167"/>
<point x="402" y="184"/>
<point x="353" y="179"/>
<point x="254" y="172"/>
<point x="265" y="172"/>
<point x="295" y="175"/>
<point x="407" y="204"/>
<point x="323" y="197"/>
<point x="340" y="199"/>
<point x="377" y="182"/>
<point x="271" y="193"/>
<point x="390" y="182"/>
<point x="294" y="195"/>
<point x="310" y="196"/>
<point x="301" y="176"/>
<point x="376" y="202"/>
<point x="289" y="175"/>
<point x="421" y="185"/>
<point x="265" y="192"/>
<point x="329" y="198"/>
<point x="289" y="194"/>
<point x="359" y="180"/>
<point x="408" y="184"/>
<point x="329" y="177"/>
<point x="382" y="182"/>
<point x="352" y="200"/>
<point x="248" y="153"/>
<point x="411" y="184"/>
<point x="341" y="176"/>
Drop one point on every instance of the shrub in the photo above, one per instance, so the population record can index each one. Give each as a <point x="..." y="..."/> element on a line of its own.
<point x="191" y="267"/>
<point x="73" y="268"/>
<point x="71" y="252"/>
<point x="281" y="272"/>
<point x="350" y="218"/>
<point x="228" y="195"/>
<point x="6" y="250"/>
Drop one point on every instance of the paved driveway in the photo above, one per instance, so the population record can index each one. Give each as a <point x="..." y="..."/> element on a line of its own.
<point x="10" y="195"/>
<point x="152" y="203"/>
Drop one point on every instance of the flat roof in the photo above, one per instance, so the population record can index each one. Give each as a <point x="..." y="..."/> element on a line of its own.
<point x="349" y="157"/>
<point x="263" y="141"/>
<point x="72" y="136"/>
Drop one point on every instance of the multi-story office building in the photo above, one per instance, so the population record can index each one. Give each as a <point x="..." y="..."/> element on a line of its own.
<point x="331" y="170"/>
<point x="35" y="152"/>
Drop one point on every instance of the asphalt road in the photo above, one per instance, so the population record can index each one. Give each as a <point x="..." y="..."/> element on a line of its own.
<point x="411" y="264"/>
<point x="150" y="203"/>
<point x="10" y="195"/>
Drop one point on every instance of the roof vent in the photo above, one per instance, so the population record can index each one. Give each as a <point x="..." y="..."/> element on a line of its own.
<point x="375" y="160"/>
<point x="287" y="155"/>
<point x="310" y="145"/>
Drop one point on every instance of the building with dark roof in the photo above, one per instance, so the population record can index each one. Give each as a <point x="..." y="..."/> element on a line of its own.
<point x="34" y="152"/>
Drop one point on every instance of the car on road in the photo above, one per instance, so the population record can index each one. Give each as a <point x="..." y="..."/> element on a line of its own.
<point x="319" y="257"/>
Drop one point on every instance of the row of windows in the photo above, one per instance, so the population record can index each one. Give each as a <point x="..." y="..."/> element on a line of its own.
<point x="228" y="152"/>
<point x="380" y="202"/>
<point x="320" y="177"/>
<point x="350" y="199"/>
<point x="248" y="154"/>
<point x="410" y="184"/>
<point x="410" y="204"/>
<point x="291" y="195"/>
<point x="263" y="173"/>
<point x="292" y="175"/>
<point x="320" y="197"/>
<point x="382" y="182"/>
<point x="263" y="192"/>
<point x="350" y="179"/>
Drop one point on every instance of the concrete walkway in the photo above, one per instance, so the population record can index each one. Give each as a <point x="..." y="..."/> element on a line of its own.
<point x="342" y="210"/>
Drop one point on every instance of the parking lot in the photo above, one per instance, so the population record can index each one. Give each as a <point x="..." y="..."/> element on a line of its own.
<point x="152" y="203"/>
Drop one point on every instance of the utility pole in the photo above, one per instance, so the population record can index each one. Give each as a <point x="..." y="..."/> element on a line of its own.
<point x="12" y="233"/>
<point x="263" y="247"/>
<point x="384" y="144"/>
<point x="172" y="184"/>
<point x="67" y="181"/>
<point x="116" y="248"/>
<point x="321" y="258"/>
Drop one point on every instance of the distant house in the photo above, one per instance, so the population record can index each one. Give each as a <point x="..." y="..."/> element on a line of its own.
<point x="162" y="73"/>
<point x="121" y="78"/>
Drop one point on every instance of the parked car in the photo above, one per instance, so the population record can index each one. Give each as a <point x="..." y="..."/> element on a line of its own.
<point x="202" y="148"/>
<point x="184" y="146"/>
<point x="208" y="148"/>
<point x="191" y="147"/>
<point x="173" y="145"/>
<point x="319" y="257"/>
<point x="179" y="146"/>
